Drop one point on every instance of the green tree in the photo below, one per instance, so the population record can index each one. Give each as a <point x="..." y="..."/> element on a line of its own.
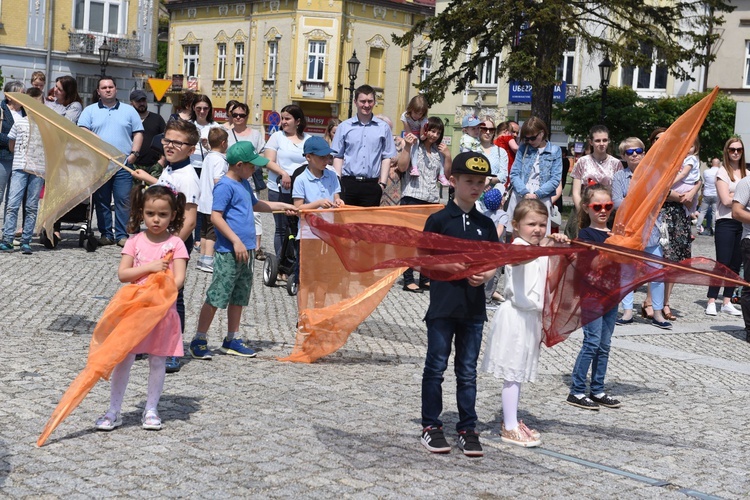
<point x="629" y="115"/>
<point x="532" y="36"/>
<point x="162" y="47"/>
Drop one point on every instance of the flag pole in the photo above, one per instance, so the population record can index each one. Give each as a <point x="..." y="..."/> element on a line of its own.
<point x="599" y="248"/>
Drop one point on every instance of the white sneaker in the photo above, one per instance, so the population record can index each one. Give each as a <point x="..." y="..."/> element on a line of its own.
<point x="729" y="309"/>
<point x="711" y="309"/>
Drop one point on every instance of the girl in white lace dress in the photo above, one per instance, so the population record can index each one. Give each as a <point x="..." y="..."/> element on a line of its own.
<point x="512" y="351"/>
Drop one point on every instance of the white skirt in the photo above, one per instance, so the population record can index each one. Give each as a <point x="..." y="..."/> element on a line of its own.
<point x="512" y="351"/>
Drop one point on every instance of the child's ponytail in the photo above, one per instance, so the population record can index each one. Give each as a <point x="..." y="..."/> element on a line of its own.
<point x="138" y="197"/>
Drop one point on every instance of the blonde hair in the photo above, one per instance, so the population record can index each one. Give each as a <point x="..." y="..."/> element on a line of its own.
<point x="529" y="206"/>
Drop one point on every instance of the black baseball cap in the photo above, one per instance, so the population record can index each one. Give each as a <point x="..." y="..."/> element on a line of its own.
<point x="471" y="163"/>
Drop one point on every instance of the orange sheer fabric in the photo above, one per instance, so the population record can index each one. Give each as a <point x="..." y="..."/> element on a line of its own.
<point x="131" y="314"/>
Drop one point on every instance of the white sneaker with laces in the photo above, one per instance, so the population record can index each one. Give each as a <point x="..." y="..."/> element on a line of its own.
<point x="729" y="309"/>
<point x="711" y="309"/>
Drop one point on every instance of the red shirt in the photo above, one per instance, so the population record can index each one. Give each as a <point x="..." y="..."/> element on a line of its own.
<point x="502" y="142"/>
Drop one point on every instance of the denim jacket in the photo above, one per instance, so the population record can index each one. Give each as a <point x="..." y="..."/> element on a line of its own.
<point x="550" y="170"/>
<point x="7" y="123"/>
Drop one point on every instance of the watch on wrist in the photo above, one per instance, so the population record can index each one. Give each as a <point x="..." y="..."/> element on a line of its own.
<point x="382" y="184"/>
<point x="135" y="153"/>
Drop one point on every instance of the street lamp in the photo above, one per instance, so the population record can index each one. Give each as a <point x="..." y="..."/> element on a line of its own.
<point x="605" y="72"/>
<point x="104" y="51"/>
<point x="353" y="65"/>
<point x="275" y="71"/>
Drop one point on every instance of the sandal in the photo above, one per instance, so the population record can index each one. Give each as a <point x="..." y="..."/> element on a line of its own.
<point x="151" y="420"/>
<point x="108" y="422"/>
<point x="667" y="312"/>
<point x="645" y="313"/>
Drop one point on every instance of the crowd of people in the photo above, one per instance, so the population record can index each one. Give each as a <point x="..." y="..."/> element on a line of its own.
<point x="506" y="184"/>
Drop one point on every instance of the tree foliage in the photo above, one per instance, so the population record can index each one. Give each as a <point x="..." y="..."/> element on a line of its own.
<point x="532" y="35"/>
<point x="629" y="115"/>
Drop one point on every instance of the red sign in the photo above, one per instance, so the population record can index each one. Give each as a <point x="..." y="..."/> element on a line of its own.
<point x="220" y="114"/>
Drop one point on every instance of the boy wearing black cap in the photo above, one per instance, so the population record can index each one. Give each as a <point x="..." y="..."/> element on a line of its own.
<point x="457" y="312"/>
<point x="232" y="279"/>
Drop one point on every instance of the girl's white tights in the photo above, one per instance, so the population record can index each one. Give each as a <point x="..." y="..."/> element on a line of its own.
<point x="511" y="395"/>
<point x="121" y="375"/>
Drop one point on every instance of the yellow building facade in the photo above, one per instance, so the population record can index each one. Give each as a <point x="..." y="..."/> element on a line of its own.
<point x="62" y="37"/>
<point x="276" y="52"/>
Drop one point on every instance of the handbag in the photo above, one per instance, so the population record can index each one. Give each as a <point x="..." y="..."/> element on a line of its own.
<point x="258" y="180"/>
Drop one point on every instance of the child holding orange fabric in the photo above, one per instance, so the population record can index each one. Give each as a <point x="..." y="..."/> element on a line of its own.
<point x="162" y="210"/>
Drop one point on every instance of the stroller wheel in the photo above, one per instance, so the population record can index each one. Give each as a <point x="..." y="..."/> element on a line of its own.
<point x="81" y="237"/>
<point x="90" y="244"/>
<point x="44" y="240"/>
<point x="270" y="269"/>
<point x="292" y="285"/>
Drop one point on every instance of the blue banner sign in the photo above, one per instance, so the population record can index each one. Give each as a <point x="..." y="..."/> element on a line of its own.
<point x="521" y="92"/>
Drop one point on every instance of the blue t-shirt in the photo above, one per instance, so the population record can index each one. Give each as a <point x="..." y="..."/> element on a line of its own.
<point x="311" y="188"/>
<point x="591" y="234"/>
<point x="115" y="125"/>
<point x="235" y="199"/>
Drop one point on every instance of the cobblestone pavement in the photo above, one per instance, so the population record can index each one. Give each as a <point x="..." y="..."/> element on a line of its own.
<point x="348" y="425"/>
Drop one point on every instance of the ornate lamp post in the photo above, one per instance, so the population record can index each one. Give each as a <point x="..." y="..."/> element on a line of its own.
<point x="104" y="51"/>
<point x="353" y="65"/>
<point x="605" y="72"/>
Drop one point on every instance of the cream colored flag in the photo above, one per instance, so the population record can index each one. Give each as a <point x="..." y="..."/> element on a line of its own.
<point x="76" y="162"/>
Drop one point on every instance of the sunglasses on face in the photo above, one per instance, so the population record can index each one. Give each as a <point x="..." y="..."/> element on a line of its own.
<point x="598" y="207"/>
<point x="175" y="144"/>
<point x="530" y="138"/>
<point x="238" y="115"/>
<point x="638" y="151"/>
<point x="735" y="150"/>
<point x="487" y="129"/>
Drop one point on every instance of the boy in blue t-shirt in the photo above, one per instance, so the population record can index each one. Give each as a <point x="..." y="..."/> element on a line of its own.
<point x="232" y="279"/>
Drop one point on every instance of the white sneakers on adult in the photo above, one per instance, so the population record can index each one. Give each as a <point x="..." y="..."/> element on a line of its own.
<point x="711" y="309"/>
<point x="730" y="309"/>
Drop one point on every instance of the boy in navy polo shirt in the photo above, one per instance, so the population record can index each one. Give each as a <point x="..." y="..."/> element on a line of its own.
<point x="457" y="312"/>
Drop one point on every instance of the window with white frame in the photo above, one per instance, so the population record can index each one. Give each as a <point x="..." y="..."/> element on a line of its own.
<point x="239" y="60"/>
<point x="425" y="68"/>
<point x="651" y="77"/>
<point x="221" y="61"/>
<point x="100" y="16"/>
<point x="565" y="69"/>
<point x="190" y="55"/>
<point x="746" y="79"/>
<point x="273" y="53"/>
<point x="316" y="60"/>
<point x="487" y="72"/>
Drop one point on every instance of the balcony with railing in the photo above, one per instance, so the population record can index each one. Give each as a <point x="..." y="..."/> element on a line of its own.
<point x="89" y="43"/>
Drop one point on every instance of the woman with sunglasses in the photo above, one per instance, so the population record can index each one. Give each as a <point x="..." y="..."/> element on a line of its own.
<point x="595" y="168"/>
<point x="632" y="150"/>
<point x="728" y="232"/>
<point x="537" y="170"/>
<point x="496" y="155"/>
<point x="285" y="150"/>
<point x="203" y="111"/>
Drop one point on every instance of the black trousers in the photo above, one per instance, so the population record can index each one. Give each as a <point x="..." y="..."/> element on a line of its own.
<point x="361" y="193"/>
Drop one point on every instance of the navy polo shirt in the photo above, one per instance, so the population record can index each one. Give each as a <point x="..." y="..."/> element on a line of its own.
<point x="458" y="299"/>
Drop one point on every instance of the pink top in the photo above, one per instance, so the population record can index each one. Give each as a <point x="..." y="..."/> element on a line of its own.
<point x="166" y="337"/>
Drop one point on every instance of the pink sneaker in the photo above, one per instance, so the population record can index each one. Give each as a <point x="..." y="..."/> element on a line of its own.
<point x="442" y="180"/>
<point x="414" y="171"/>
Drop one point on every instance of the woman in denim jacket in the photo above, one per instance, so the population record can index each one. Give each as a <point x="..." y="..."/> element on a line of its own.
<point x="6" y="122"/>
<point x="537" y="169"/>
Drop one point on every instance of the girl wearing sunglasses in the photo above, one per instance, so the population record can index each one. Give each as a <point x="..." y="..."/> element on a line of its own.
<point x="728" y="231"/>
<point x="537" y="170"/>
<point x="632" y="151"/>
<point x="596" y="205"/>
<point x="598" y="167"/>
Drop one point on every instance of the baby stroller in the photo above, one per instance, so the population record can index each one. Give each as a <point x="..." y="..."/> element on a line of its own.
<point x="287" y="264"/>
<point x="79" y="218"/>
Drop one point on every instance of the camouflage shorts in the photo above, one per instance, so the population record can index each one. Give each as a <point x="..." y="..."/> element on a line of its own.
<point x="231" y="282"/>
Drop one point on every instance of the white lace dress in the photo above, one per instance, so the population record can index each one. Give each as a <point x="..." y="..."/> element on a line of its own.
<point x="512" y="351"/>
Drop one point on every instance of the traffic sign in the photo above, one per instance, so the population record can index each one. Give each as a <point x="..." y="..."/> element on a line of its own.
<point x="159" y="86"/>
<point x="274" y="119"/>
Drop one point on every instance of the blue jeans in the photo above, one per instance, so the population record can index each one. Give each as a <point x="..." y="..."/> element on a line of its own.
<point x="22" y="183"/>
<point x="468" y="339"/>
<point x="118" y="187"/>
<point x="5" y="169"/>
<point x="281" y="220"/>
<point x="656" y="287"/>
<point x="597" y="337"/>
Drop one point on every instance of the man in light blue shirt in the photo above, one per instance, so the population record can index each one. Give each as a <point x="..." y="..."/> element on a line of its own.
<point x="363" y="147"/>
<point x="120" y="125"/>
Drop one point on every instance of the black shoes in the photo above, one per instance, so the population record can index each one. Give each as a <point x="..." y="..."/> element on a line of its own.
<point x="434" y="440"/>
<point x="468" y="442"/>
<point x="582" y="402"/>
<point x="605" y="400"/>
